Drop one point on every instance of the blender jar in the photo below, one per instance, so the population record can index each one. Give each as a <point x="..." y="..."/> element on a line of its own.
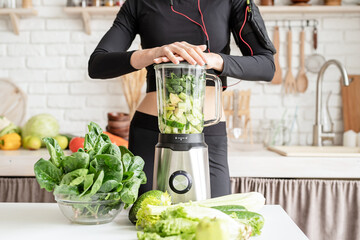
<point x="180" y="98"/>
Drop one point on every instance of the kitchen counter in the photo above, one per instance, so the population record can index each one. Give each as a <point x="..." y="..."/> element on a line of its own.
<point x="244" y="161"/>
<point x="255" y="161"/>
<point x="40" y="221"/>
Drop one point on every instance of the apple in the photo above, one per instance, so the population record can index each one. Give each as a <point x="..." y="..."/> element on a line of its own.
<point x="62" y="141"/>
<point x="32" y="143"/>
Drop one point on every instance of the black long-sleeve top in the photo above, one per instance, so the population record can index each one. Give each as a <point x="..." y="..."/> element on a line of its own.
<point x="158" y="25"/>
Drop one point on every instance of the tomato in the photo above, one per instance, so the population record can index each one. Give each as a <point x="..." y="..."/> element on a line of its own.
<point x="76" y="143"/>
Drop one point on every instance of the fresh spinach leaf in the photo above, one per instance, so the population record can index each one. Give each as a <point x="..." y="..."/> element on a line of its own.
<point x="137" y="165"/>
<point x="66" y="190"/>
<point x="47" y="174"/>
<point x="97" y="184"/>
<point x="94" y="166"/>
<point x="77" y="160"/>
<point x="77" y="181"/>
<point x="110" y="148"/>
<point x="111" y="161"/>
<point x="88" y="181"/>
<point x="104" y="149"/>
<point x="89" y="146"/>
<point x="124" y="150"/>
<point x="109" y="186"/>
<point x="119" y="187"/>
<point x="127" y="176"/>
<point x="71" y="176"/>
<point x="112" y="167"/>
<point x="130" y="191"/>
<point x="94" y="129"/>
<point x="102" y="140"/>
<point x="55" y="151"/>
<point x="95" y="138"/>
<point x="143" y="177"/>
<point x="110" y="174"/>
<point x="127" y="160"/>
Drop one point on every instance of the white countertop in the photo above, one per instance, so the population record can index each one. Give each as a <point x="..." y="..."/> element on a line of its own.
<point x="255" y="161"/>
<point x="244" y="161"/>
<point x="44" y="221"/>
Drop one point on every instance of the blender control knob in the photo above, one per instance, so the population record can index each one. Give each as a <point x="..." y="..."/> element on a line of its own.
<point x="180" y="182"/>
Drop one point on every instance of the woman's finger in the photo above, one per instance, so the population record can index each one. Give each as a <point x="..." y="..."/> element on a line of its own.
<point x="165" y="59"/>
<point x="192" y="52"/>
<point x="170" y="55"/>
<point x="177" y="49"/>
<point x="198" y="48"/>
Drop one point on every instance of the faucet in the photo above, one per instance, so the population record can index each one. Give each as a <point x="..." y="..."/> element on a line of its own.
<point x="318" y="134"/>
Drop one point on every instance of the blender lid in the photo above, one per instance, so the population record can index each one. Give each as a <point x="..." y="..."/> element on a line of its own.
<point x="180" y="65"/>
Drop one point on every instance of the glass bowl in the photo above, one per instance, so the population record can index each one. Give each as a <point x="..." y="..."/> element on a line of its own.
<point x="97" y="209"/>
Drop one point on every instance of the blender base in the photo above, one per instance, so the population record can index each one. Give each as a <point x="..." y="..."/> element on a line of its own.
<point x="183" y="173"/>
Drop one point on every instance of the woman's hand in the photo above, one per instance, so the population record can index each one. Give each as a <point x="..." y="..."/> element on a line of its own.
<point x="213" y="61"/>
<point x="180" y="51"/>
<point x="177" y="52"/>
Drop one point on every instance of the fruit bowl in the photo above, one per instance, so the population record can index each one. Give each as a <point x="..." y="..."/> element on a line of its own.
<point x="97" y="209"/>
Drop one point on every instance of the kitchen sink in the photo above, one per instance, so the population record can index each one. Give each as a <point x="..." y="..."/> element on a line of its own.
<point x="313" y="151"/>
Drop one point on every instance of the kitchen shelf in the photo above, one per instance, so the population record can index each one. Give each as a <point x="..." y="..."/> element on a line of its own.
<point x="15" y="14"/>
<point x="87" y="12"/>
<point x="309" y="9"/>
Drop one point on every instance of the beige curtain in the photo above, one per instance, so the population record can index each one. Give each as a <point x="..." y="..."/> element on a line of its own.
<point x="323" y="209"/>
<point x="23" y="190"/>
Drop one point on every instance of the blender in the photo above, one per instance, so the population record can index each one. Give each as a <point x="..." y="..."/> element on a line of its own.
<point x="181" y="163"/>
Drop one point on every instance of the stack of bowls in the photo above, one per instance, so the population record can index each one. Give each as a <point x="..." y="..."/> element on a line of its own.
<point x="118" y="124"/>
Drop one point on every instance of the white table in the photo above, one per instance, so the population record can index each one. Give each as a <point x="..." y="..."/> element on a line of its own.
<point x="44" y="221"/>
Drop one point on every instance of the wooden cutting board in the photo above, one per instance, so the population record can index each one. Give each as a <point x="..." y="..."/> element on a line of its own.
<point x="351" y="104"/>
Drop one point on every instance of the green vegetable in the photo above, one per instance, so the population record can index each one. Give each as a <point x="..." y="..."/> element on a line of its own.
<point x="252" y="201"/>
<point x="66" y="190"/>
<point x="77" y="160"/>
<point x="97" y="184"/>
<point x="212" y="229"/>
<point x="101" y="167"/>
<point x="55" y="151"/>
<point x="155" y="236"/>
<point x="10" y="128"/>
<point x="230" y="208"/>
<point x="41" y="125"/>
<point x="153" y="197"/>
<point x="255" y="220"/>
<point x="181" y="106"/>
<point x="88" y="181"/>
<point x="47" y="174"/>
<point x="183" y="219"/>
<point x="130" y="192"/>
<point x="75" y="177"/>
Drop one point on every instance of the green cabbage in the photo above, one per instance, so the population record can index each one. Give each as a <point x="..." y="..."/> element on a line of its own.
<point x="212" y="229"/>
<point x="41" y="125"/>
<point x="183" y="219"/>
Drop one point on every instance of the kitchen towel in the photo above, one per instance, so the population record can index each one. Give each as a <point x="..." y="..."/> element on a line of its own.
<point x="323" y="209"/>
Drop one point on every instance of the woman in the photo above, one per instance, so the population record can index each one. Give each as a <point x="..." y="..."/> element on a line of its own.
<point x="181" y="30"/>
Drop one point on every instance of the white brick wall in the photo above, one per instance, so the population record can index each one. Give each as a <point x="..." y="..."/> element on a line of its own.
<point x="48" y="60"/>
